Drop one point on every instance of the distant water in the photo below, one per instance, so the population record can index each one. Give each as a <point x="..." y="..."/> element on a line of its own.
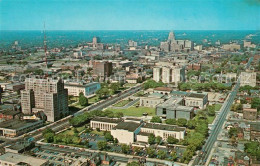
<point x="71" y="38"/>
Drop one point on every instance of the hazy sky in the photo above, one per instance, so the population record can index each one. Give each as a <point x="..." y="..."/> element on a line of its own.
<point x="130" y="14"/>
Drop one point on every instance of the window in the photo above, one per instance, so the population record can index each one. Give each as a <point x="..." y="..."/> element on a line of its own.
<point x="164" y="111"/>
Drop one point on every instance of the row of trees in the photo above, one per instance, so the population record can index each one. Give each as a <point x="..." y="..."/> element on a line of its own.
<point x="108" y="89"/>
<point x="152" y="84"/>
<point x="87" y="116"/>
<point x="203" y="86"/>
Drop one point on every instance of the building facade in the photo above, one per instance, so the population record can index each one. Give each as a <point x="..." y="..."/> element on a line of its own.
<point x="248" y="78"/>
<point x="102" y="68"/>
<point x="104" y="124"/>
<point x="198" y="100"/>
<point x="45" y="95"/>
<point x="74" y="89"/>
<point x="168" y="74"/>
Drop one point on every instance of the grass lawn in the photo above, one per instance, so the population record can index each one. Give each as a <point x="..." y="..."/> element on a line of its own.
<point x="71" y="131"/>
<point x="121" y="103"/>
<point x="93" y="100"/>
<point x="73" y="99"/>
<point x="211" y="119"/>
<point x="129" y="85"/>
<point x="138" y="94"/>
<point x="218" y="106"/>
<point x="101" y="133"/>
<point x="135" y="111"/>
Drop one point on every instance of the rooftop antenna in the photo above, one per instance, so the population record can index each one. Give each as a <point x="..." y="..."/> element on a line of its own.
<point x="45" y="45"/>
<point x="45" y="49"/>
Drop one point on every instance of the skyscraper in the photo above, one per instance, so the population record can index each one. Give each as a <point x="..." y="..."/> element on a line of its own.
<point x="171" y="37"/>
<point x="102" y="68"/>
<point x="45" y="95"/>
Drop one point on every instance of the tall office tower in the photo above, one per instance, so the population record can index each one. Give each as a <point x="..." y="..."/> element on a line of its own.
<point x="171" y="37"/>
<point x="165" y="46"/>
<point x="178" y="75"/>
<point x="157" y="72"/>
<point x="102" y="68"/>
<point x="189" y="45"/>
<point x="132" y="43"/>
<point x="45" y="95"/>
<point x="94" y="41"/>
<point x="166" y="74"/>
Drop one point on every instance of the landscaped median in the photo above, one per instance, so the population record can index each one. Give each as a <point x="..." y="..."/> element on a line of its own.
<point x="134" y="111"/>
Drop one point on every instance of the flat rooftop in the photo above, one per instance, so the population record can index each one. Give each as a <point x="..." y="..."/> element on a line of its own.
<point x="130" y="126"/>
<point x="19" y="159"/>
<point x="197" y="95"/>
<point x="107" y="120"/>
<point x="17" y="124"/>
<point x="168" y="89"/>
<point x="157" y="126"/>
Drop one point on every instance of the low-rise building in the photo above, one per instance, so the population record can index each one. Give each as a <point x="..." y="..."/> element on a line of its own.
<point x="104" y="124"/>
<point x="126" y="132"/>
<point x="242" y="158"/>
<point x="174" y="108"/>
<point x="9" y="114"/>
<point x="162" y="130"/>
<point x="255" y="132"/>
<point x="198" y="100"/>
<point x="163" y="90"/>
<point x="152" y="100"/>
<point x="74" y="89"/>
<point x="250" y="113"/>
<point x="13" y="159"/>
<point x="19" y="147"/>
<point x="17" y="86"/>
<point x="14" y="128"/>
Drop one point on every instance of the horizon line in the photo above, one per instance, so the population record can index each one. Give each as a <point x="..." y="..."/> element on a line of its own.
<point x="132" y="30"/>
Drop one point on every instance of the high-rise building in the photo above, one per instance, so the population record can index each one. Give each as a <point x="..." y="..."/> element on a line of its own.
<point x="45" y="95"/>
<point x="171" y="37"/>
<point x="132" y="43"/>
<point x="248" y="78"/>
<point x="168" y="74"/>
<point x="173" y="45"/>
<point x="165" y="46"/>
<point x="157" y="72"/>
<point x="102" y="68"/>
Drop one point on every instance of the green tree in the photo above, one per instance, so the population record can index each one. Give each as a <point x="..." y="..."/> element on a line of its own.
<point x="232" y="132"/>
<point x="49" y="137"/>
<point x="109" y="137"/>
<point x="119" y="114"/>
<point x="125" y="148"/>
<point x="151" y="139"/>
<point x="182" y="122"/>
<point x="172" y="140"/>
<point x="156" y="119"/>
<point x="174" y="155"/>
<point x="256" y="103"/>
<point x="191" y="124"/>
<point x="171" y="121"/>
<point x="102" y="145"/>
<point x="133" y="163"/>
<point x="158" y="140"/>
<point x="161" y="154"/>
<point x="137" y="150"/>
<point x="83" y="101"/>
<point x="151" y="152"/>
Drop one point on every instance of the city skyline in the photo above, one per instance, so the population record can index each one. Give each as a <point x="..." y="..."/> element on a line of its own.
<point x="130" y="15"/>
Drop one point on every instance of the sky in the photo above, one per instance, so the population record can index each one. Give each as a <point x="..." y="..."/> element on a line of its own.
<point x="130" y="14"/>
